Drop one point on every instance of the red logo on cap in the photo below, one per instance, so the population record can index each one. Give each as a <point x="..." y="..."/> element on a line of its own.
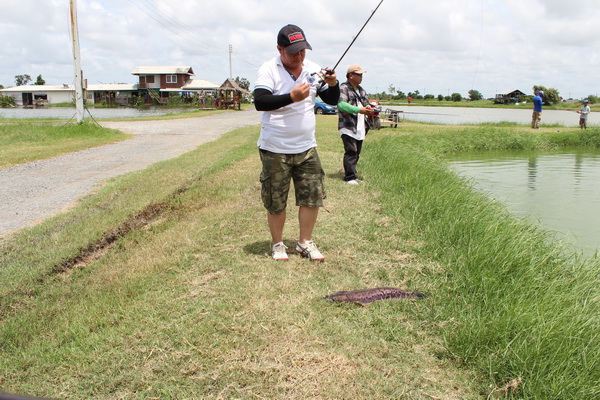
<point x="295" y="37"/>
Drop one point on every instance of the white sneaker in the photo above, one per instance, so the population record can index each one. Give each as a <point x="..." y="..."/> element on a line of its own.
<point x="352" y="182"/>
<point x="279" y="252"/>
<point x="310" y="251"/>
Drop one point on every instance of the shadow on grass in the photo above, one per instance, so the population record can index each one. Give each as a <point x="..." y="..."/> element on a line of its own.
<point x="259" y="248"/>
<point x="263" y="248"/>
<point x="337" y="176"/>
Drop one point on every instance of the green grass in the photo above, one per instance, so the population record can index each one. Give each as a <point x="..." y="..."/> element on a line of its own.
<point x="184" y="302"/>
<point x="177" y="114"/>
<point x="23" y="142"/>
<point x="520" y="307"/>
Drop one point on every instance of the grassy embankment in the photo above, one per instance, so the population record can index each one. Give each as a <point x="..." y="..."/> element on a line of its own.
<point x="177" y="114"/>
<point x="22" y="142"/>
<point x="31" y="140"/>
<point x="159" y="285"/>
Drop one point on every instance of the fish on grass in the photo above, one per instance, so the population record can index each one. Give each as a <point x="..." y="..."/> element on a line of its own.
<point x="364" y="296"/>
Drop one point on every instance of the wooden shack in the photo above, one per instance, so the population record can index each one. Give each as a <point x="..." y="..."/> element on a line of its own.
<point x="508" y="96"/>
<point x="230" y="95"/>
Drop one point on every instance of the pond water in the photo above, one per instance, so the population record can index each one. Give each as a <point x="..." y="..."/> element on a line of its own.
<point x="558" y="190"/>
<point x="466" y="115"/>
<point x="96" y="113"/>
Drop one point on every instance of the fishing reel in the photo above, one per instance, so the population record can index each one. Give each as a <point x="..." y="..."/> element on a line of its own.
<point x="322" y="73"/>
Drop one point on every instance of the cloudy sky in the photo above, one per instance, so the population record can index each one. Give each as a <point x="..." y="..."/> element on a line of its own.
<point x="436" y="47"/>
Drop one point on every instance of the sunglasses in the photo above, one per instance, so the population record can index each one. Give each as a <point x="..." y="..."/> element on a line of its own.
<point x="356" y="73"/>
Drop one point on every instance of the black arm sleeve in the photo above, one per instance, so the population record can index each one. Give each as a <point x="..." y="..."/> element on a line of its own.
<point x="264" y="100"/>
<point x="331" y="95"/>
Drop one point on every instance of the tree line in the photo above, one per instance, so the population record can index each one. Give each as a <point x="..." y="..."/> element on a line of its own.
<point x="24" y="79"/>
<point x="551" y="95"/>
<point x="393" y="94"/>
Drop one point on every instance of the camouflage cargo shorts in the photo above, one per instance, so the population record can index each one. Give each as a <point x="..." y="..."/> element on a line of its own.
<point x="278" y="170"/>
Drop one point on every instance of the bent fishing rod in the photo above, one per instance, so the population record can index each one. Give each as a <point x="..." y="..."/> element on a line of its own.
<point x="332" y="70"/>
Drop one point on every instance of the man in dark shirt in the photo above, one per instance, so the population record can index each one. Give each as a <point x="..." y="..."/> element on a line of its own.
<point x="353" y="107"/>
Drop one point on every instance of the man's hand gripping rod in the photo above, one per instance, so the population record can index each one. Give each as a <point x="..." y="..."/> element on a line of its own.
<point x="328" y="71"/>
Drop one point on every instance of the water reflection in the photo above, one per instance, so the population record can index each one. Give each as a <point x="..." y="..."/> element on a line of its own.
<point x="532" y="171"/>
<point x="560" y="190"/>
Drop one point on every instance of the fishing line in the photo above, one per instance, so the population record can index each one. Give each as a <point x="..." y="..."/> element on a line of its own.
<point x="332" y="70"/>
<point x="479" y="50"/>
<point x="478" y="53"/>
<point x="356" y="37"/>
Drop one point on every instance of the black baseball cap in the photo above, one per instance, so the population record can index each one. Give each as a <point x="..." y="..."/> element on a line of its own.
<point x="292" y="38"/>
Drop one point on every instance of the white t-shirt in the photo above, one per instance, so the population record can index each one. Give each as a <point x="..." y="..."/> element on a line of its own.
<point x="289" y="129"/>
<point x="585" y="110"/>
<point x="361" y="129"/>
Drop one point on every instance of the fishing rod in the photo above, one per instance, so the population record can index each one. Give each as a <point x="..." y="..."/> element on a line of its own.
<point x="424" y="113"/>
<point x="327" y="71"/>
<point x="356" y="37"/>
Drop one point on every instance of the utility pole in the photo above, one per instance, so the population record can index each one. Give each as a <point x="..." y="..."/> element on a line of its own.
<point x="230" y="51"/>
<point x="76" y="62"/>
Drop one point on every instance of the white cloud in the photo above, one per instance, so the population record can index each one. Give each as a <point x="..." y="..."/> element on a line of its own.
<point x="435" y="47"/>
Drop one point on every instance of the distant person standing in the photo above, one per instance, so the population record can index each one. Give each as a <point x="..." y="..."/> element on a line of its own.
<point x="536" y="117"/>
<point x="583" y="114"/>
<point x="353" y="106"/>
<point x="409" y="99"/>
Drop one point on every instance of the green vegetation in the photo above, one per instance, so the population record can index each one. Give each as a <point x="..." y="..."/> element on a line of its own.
<point x="520" y="309"/>
<point x="39" y="80"/>
<point x="6" y="101"/>
<point x="550" y="96"/>
<point x="160" y="284"/>
<point x="22" y="79"/>
<point x="552" y="99"/>
<point x="64" y="105"/>
<point x="177" y="114"/>
<point x="23" y="142"/>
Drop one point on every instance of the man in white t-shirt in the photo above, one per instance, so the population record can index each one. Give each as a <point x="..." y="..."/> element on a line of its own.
<point x="583" y="114"/>
<point x="285" y="90"/>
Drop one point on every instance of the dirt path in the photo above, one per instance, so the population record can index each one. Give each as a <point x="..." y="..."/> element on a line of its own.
<point x="35" y="191"/>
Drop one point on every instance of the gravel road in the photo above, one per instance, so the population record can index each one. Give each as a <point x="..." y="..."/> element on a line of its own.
<point x="35" y="191"/>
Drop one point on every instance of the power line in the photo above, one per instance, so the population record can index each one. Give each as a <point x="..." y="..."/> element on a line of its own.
<point x="165" y="13"/>
<point x="156" y="10"/>
<point x="175" y="26"/>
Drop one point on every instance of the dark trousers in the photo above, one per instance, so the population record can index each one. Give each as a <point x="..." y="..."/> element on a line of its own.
<point x="352" y="148"/>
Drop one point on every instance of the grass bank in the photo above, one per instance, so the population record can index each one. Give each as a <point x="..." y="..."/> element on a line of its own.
<point x="160" y="285"/>
<point x="515" y="305"/>
<point x="23" y="142"/>
<point x="177" y="114"/>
